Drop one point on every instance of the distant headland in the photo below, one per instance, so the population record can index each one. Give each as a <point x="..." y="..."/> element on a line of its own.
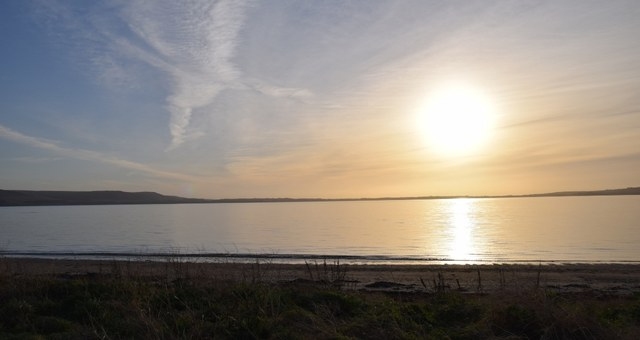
<point x="39" y="198"/>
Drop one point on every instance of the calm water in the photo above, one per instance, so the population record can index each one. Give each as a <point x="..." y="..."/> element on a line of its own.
<point x="565" y="229"/>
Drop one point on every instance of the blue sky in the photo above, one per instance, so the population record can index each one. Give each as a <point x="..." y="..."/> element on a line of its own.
<point x="315" y="99"/>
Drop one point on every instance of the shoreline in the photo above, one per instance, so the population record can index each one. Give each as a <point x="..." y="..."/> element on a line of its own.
<point x="600" y="278"/>
<point x="295" y="259"/>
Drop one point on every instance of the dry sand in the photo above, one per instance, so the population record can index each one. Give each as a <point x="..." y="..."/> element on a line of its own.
<point x="609" y="279"/>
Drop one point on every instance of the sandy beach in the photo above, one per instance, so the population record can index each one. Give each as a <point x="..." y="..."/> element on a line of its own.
<point x="615" y="279"/>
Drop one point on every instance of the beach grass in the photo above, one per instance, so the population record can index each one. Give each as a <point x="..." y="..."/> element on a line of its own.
<point x="183" y="303"/>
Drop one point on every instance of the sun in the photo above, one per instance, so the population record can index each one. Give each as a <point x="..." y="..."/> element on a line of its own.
<point x="457" y="119"/>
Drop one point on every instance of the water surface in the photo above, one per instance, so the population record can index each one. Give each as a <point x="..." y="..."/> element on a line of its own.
<point x="562" y="229"/>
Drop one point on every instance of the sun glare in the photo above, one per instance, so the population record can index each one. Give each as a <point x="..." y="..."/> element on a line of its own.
<point x="457" y="119"/>
<point x="461" y="226"/>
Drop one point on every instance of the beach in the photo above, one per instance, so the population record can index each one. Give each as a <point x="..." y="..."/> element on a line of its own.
<point x="604" y="278"/>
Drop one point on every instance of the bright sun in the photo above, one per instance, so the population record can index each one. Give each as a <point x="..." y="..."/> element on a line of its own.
<point x="456" y="120"/>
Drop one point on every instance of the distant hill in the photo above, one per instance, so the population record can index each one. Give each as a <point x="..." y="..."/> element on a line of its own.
<point x="626" y="191"/>
<point x="32" y="197"/>
<point x="28" y="197"/>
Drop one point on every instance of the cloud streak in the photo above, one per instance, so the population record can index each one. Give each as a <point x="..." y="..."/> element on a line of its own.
<point x="88" y="155"/>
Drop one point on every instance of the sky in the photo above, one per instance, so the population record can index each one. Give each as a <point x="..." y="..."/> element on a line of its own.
<point x="327" y="99"/>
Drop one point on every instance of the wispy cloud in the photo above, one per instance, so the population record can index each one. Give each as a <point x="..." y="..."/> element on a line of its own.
<point x="276" y="91"/>
<point x="34" y="160"/>
<point x="194" y="43"/>
<point x="88" y="155"/>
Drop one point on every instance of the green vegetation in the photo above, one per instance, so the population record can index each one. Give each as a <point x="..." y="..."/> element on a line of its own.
<point x="114" y="307"/>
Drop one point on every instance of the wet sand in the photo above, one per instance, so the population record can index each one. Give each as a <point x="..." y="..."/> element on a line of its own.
<point x="609" y="279"/>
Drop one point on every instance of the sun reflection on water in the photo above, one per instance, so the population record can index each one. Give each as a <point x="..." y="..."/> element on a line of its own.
<point x="460" y="229"/>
